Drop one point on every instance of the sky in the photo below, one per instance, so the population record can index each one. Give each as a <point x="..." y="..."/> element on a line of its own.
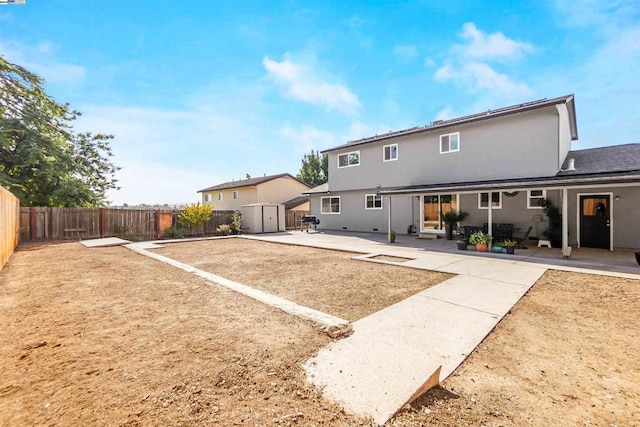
<point x="202" y="92"/>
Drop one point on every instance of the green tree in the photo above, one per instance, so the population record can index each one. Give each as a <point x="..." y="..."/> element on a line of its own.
<point x="43" y="161"/>
<point x="315" y="168"/>
<point x="194" y="216"/>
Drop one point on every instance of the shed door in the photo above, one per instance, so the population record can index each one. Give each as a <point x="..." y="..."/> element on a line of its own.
<point x="595" y="221"/>
<point x="269" y="219"/>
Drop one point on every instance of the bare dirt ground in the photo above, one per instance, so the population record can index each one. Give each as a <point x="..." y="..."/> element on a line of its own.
<point x="325" y="280"/>
<point x="108" y="337"/>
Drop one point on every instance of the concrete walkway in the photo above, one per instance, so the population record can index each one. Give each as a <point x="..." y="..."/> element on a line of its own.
<point x="397" y="353"/>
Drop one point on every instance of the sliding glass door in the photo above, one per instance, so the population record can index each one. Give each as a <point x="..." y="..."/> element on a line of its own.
<point x="433" y="206"/>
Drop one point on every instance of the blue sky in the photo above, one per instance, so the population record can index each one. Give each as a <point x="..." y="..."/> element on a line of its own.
<point x="202" y="92"/>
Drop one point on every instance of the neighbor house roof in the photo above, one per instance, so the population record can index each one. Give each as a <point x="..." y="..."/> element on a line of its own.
<point x="322" y="188"/>
<point x="294" y="203"/>
<point x="489" y="114"/>
<point x="250" y="182"/>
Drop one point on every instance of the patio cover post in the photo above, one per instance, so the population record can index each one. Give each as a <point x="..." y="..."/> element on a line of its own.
<point x="565" y="220"/>
<point x="389" y="220"/>
<point x="490" y="214"/>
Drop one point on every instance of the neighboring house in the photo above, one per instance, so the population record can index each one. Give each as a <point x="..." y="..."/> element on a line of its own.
<point x="298" y="204"/>
<point x="230" y="196"/>
<point x="497" y="166"/>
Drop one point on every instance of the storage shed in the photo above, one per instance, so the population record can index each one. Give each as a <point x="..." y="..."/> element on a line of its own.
<point x="263" y="218"/>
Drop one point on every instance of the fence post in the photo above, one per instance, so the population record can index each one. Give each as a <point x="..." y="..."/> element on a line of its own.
<point x="32" y="221"/>
<point x="102" y="223"/>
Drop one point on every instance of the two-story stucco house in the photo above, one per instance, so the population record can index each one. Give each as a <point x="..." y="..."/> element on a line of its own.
<point x="230" y="196"/>
<point x="497" y="166"/>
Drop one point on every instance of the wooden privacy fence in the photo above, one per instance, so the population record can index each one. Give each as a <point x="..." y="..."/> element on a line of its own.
<point x="294" y="219"/>
<point x="9" y="225"/>
<point x="43" y="223"/>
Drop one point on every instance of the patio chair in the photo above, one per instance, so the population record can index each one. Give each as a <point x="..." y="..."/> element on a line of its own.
<point x="523" y="238"/>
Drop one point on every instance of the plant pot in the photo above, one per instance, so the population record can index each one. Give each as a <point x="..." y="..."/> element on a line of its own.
<point x="497" y="249"/>
<point x="449" y="231"/>
<point x="481" y="247"/>
<point x="638" y="257"/>
<point x="462" y="244"/>
<point x="511" y="249"/>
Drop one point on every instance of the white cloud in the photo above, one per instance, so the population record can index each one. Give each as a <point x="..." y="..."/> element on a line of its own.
<point x="445" y="114"/>
<point x="300" y="82"/>
<point x="490" y="46"/>
<point x="306" y="138"/>
<point x="468" y="65"/>
<point x="405" y="52"/>
<point x="41" y="59"/>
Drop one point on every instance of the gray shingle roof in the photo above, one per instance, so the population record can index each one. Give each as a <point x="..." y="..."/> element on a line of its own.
<point x="513" y="109"/>
<point x="249" y="182"/>
<point x="293" y="203"/>
<point x="616" y="158"/>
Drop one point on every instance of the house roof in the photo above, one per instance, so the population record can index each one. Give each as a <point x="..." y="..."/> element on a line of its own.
<point x="489" y="114"/>
<point x="602" y="165"/>
<point x="293" y="203"/>
<point x="322" y="188"/>
<point x="616" y="158"/>
<point x="250" y="182"/>
<point x="521" y="183"/>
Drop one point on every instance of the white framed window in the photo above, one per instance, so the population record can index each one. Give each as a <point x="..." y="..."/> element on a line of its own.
<point x="346" y="160"/>
<point x="219" y="197"/>
<point x="372" y="201"/>
<point x="207" y="197"/>
<point x="450" y="143"/>
<point x="390" y="152"/>
<point x="496" y="200"/>
<point x="235" y="195"/>
<point x="330" y="205"/>
<point x="535" y="198"/>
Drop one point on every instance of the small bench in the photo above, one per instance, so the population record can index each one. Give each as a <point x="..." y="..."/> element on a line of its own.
<point x="76" y="230"/>
<point x="542" y="243"/>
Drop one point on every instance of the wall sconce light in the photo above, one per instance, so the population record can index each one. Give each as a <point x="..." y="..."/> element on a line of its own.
<point x="617" y="197"/>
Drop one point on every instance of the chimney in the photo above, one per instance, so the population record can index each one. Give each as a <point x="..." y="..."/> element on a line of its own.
<point x="571" y="164"/>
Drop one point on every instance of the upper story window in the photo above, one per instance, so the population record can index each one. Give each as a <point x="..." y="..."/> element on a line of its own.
<point x="349" y="159"/>
<point x="373" y="201"/>
<point x="390" y="152"/>
<point x="535" y="198"/>
<point x="496" y="200"/>
<point x="450" y="143"/>
<point x="235" y="195"/>
<point x="330" y="205"/>
<point x="219" y="197"/>
<point x="207" y="197"/>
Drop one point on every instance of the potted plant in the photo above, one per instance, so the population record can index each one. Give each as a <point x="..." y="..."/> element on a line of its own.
<point x="554" y="232"/>
<point x="481" y="241"/>
<point x="510" y="246"/>
<point x="497" y="247"/>
<point x="451" y="219"/>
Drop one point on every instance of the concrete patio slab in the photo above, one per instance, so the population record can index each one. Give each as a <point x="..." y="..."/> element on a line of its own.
<point x="393" y="352"/>
<point x="104" y="242"/>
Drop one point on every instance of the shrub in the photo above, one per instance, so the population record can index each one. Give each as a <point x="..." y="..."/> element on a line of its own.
<point x="236" y="222"/>
<point x="224" y="229"/>
<point x="193" y="217"/>
<point x="174" y="232"/>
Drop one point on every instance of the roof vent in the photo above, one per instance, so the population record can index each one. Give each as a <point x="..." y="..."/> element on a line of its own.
<point x="571" y="165"/>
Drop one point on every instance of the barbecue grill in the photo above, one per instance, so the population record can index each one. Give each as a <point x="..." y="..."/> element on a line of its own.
<point x="310" y="221"/>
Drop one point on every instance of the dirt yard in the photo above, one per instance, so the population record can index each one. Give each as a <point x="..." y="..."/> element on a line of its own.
<point x="108" y="337"/>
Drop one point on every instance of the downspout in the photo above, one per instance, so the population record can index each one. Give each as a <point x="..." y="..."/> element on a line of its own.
<point x="389" y="219"/>
<point x="490" y="215"/>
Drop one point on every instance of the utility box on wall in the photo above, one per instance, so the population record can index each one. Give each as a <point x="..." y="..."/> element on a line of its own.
<point x="263" y="218"/>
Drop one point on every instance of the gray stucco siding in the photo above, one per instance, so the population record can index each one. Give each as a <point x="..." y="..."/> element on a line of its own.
<point x="519" y="146"/>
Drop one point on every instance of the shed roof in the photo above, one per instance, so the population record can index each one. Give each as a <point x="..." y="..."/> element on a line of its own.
<point x="489" y="114"/>
<point x="250" y="182"/>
